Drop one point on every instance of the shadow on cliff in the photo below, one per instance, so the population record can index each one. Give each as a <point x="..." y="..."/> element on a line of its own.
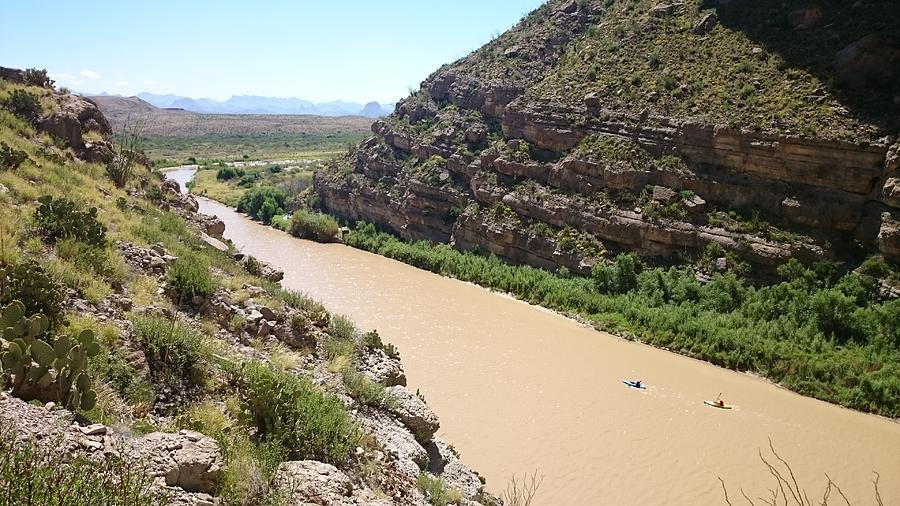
<point x="852" y="46"/>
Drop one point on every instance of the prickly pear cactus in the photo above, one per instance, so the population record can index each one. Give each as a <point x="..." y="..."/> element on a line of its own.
<point x="38" y="368"/>
<point x="28" y="283"/>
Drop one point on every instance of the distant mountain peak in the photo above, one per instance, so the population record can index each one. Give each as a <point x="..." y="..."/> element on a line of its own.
<point x="254" y="104"/>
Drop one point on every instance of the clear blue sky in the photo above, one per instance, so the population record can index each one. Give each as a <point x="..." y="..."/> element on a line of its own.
<point x="356" y="50"/>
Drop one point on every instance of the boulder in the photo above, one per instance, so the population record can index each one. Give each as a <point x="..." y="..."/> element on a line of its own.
<point x="443" y="462"/>
<point x="397" y="441"/>
<point x="569" y="7"/>
<point x="872" y="61"/>
<point x="98" y="152"/>
<point x="664" y="9"/>
<point x="889" y="236"/>
<point x="413" y="412"/>
<point x="706" y="24"/>
<point x="806" y="18"/>
<point x="187" y="460"/>
<point x="476" y="134"/>
<point x="309" y="482"/>
<point x="592" y="100"/>
<point x="214" y="243"/>
<point x="663" y="194"/>
<point x="65" y="126"/>
<point x="376" y="365"/>
<point x="890" y="192"/>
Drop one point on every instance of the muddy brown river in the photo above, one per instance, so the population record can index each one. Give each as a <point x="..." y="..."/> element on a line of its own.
<point x="520" y="389"/>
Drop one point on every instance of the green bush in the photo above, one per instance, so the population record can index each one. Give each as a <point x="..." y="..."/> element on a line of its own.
<point x="171" y="347"/>
<point x="11" y="158"/>
<point x="314" y="226"/>
<point x="263" y="203"/>
<point x="436" y="492"/>
<point x="59" y="219"/>
<point x="373" y="340"/>
<point x="228" y="173"/>
<point x="38" y="77"/>
<point x="31" y="474"/>
<point x="363" y="389"/>
<point x="25" y="105"/>
<point x="189" y="277"/>
<point x="289" y="410"/>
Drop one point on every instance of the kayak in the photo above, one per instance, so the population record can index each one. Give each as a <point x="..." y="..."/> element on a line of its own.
<point x="634" y="384"/>
<point x="717" y="405"/>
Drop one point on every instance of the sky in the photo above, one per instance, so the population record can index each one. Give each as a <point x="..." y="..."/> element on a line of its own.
<point x="353" y="50"/>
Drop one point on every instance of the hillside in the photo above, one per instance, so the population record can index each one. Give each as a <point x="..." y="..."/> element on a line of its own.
<point x="143" y="360"/>
<point x="660" y="128"/>
<point x="715" y="178"/>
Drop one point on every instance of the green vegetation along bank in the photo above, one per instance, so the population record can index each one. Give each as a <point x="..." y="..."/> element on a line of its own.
<point x="820" y="332"/>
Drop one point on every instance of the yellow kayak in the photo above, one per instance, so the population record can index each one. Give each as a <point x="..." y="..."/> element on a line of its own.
<point x="717" y="405"/>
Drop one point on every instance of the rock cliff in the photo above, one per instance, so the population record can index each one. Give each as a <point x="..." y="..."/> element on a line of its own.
<point x="766" y="129"/>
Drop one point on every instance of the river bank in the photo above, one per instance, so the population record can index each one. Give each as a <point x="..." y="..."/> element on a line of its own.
<point x="555" y="402"/>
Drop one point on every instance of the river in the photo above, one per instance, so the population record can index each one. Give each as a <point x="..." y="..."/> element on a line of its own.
<point x="520" y="389"/>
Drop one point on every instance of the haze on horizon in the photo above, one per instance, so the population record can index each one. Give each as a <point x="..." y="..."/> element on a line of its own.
<point x="355" y="51"/>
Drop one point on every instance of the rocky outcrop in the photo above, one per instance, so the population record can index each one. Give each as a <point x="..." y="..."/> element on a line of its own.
<point x="185" y="465"/>
<point x="315" y="483"/>
<point x="475" y="137"/>
<point x="77" y="116"/>
<point x="413" y="412"/>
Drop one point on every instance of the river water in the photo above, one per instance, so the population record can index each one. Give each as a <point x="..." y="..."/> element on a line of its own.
<point x="520" y="389"/>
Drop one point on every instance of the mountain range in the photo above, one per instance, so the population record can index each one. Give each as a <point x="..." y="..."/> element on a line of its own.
<point x="251" y="104"/>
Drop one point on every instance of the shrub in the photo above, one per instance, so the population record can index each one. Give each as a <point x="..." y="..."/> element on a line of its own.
<point x="38" y="77"/>
<point x="25" y="105"/>
<point x="288" y="410"/>
<point x="314" y="226"/>
<point x="342" y="327"/>
<point x="373" y="340"/>
<point x="363" y="389"/>
<point x="170" y="346"/>
<point x="11" y="158"/>
<point x="103" y="262"/>
<point x="436" y="492"/>
<point x="189" y="277"/>
<point x="228" y="173"/>
<point x="262" y="203"/>
<point x="31" y="474"/>
<point x="620" y="277"/>
<point x="61" y="218"/>
<point x="38" y="292"/>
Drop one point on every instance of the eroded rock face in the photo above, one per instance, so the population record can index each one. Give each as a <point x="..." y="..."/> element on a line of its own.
<point x="413" y="412"/>
<point x="380" y="368"/>
<point x="188" y="460"/>
<point x="397" y="441"/>
<point x="442" y="461"/>
<point x="76" y="116"/>
<point x="185" y="465"/>
<point x="315" y="483"/>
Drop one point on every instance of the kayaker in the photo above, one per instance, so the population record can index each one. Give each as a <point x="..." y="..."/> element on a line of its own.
<point x="637" y="384"/>
<point x="720" y="402"/>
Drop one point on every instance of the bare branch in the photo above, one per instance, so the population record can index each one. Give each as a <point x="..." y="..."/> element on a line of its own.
<point x="877" y="492"/>
<point x="522" y="494"/>
<point x="836" y="487"/>
<point x="725" y="491"/>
